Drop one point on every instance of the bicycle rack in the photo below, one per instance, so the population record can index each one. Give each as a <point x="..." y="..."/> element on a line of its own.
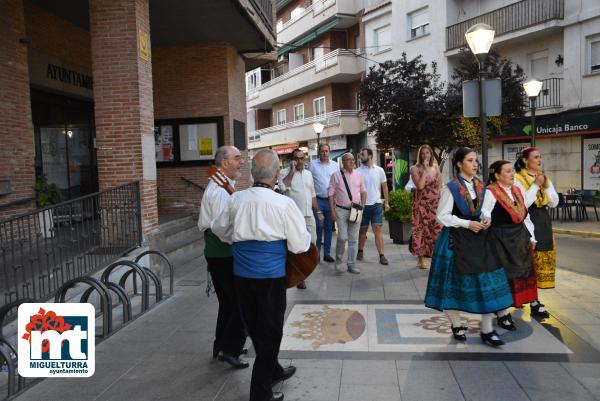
<point x="105" y="299"/>
<point x="123" y="298"/>
<point x="132" y="267"/>
<point x="4" y="355"/>
<point x="166" y="259"/>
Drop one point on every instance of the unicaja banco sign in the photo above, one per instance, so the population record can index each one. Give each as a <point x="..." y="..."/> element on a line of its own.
<point x="555" y="125"/>
<point x="56" y="340"/>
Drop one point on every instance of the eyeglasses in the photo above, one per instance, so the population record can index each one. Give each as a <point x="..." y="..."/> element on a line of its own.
<point x="299" y="158"/>
<point x="348" y="160"/>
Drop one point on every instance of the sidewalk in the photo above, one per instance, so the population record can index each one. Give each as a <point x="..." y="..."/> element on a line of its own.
<point x="165" y="355"/>
<point x="587" y="229"/>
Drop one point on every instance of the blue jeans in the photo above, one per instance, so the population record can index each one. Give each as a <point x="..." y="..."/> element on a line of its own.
<point x="326" y="224"/>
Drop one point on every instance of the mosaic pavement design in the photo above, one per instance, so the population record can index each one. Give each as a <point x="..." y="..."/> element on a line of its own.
<point x="404" y="328"/>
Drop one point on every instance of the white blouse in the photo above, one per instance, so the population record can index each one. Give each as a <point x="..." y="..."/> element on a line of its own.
<point x="489" y="201"/>
<point x="444" y="210"/>
<point x="531" y="193"/>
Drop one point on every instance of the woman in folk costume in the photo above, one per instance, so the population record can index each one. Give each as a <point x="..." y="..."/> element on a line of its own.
<point x="539" y="194"/>
<point x="464" y="274"/>
<point x="511" y="241"/>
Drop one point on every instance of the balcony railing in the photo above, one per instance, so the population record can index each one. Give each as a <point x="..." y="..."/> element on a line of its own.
<point x="319" y="64"/>
<point x="507" y="19"/>
<point x="265" y="9"/>
<point x="328" y="119"/>
<point x="316" y="7"/>
<point x="43" y="249"/>
<point x="549" y="96"/>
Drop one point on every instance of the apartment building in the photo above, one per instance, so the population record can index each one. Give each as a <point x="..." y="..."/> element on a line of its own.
<point x="315" y="78"/>
<point x="98" y="93"/>
<point x="556" y="41"/>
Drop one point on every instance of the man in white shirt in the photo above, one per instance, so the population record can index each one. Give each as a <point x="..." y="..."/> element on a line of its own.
<point x="299" y="186"/>
<point x="263" y="226"/>
<point x="322" y="170"/>
<point x="375" y="182"/>
<point x="229" y="333"/>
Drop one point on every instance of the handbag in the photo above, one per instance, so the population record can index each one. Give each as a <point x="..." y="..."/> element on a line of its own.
<point x="356" y="209"/>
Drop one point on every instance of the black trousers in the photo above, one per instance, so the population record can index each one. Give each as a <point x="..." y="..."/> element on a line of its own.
<point x="229" y="334"/>
<point x="263" y="304"/>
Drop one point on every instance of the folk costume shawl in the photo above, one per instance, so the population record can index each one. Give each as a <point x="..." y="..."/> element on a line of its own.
<point x="462" y="198"/>
<point x="516" y="209"/>
<point x="527" y="180"/>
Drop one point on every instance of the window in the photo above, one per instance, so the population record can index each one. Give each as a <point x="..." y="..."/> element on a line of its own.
<point x="253" y="79"/>
<point x="357" y="101"/>
<point x="299" y="112"/>
<point x="418" y="23"/>
<point x="538" y="65"/>
<point x="280" y="117"/>
<point x="187" y="140"/>
<point x="594" y="54"/>
<point x="382" y="39"/>
<point x="319" y="107"/>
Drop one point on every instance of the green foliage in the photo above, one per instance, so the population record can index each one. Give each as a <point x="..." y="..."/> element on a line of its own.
<point x="400" y="206"/>
<point x="46" y="194"/>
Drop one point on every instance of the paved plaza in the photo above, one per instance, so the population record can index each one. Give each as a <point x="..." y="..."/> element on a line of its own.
<point x="353" y="337"/>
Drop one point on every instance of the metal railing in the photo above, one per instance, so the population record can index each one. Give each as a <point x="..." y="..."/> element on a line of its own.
<point x="328" y="119"/>
<point x="265" y="9"/>
<point x="46" y="248"/>
<point x="317" y="6"/>
<point x="507" y="19"/>
<point x="550" y="94"/>
<point x="328" y="60"/>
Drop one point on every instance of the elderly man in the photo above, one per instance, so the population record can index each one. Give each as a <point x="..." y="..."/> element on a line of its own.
<point x="263" y="226"/>
<point x="375" y="182"/>
<point x="345" y="188"/>
<point x="229" y="333"/>
<point x="322" y="170"/>
<point x="298" y="185"/>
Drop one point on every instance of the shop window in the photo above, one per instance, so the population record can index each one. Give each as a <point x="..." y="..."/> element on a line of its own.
<point x="280" y="117"/>
<point x="418" y="23"/>
<point x="187" y="141"/>
<point x="319" y="107"/>
<point x="299" y="112"/>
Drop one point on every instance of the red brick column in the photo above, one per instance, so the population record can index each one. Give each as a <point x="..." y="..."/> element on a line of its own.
<point x="16" y="130"/>
<point x="123" y="98"/>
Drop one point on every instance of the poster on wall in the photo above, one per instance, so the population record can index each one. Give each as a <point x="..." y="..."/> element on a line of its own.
<point x="198" y="141"/>
<point x="163" y="143"/>
<point x="510" y="150"/>
<point x="400" y="168"/>
<point x="591" y="163"/>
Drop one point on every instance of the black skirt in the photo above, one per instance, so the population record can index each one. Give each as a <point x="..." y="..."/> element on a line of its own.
<point x="511" y="244"/>
<point x="472" y="251"/>
<point x="542" y="223"/>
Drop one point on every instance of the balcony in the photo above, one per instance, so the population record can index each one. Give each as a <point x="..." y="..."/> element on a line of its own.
<point x="549" y="97"/>
<point x="339" y="122"/>
<point x="514" y="17"/>
<point x="338" y="66"/>
<point x="316" y="14"/>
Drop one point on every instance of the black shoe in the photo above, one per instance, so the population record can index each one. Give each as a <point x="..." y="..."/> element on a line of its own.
<point x="285" y="374"/>
<point x="277" y="397"/>
<point x="359" y="255"/>
<point x="535" y="311"/>
<point x="492" y="339"/>
<point x="236" y="362"/>
<point x="506" y="322"/>
<point x="328" y="258"/>
<point x="215" y="351"/>
<point x="301" y="286"/>
<point x="456" y="333"/>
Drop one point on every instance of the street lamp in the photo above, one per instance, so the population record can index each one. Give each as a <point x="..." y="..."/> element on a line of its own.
<point x="480" y="38"/>
<point x="318" y="127"/>
<point x="532" y="89"/>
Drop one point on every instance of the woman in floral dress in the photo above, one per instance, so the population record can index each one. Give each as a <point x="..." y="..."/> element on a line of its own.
<point x="425" y="228"/>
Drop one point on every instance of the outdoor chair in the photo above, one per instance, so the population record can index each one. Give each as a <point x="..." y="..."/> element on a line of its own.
<point x="589" y="199"/>
<point x="562" y="206"/>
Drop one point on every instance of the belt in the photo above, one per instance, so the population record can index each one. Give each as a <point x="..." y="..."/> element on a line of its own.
<point x="322" y="198"/>
<point x="343" y="207"/>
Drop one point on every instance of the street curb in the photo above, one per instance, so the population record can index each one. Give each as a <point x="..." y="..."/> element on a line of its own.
<point x="582" y="234"/>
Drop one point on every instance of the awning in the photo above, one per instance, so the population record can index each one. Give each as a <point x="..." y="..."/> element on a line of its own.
<point x="325" y="28"/>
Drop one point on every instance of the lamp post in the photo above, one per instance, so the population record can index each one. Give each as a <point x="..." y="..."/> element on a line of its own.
<point x="480" y="38"/>
<point x="318" y="127"/>
<point x="532" y="89"/>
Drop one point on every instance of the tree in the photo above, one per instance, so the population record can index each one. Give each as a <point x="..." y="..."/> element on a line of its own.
<point x="405" y="104"/>
<point x="465" y="131"/>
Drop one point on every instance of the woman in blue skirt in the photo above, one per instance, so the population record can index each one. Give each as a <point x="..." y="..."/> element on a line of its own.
<point x="464" y="274"/>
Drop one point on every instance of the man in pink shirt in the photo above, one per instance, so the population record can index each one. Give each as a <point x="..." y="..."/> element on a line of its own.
<point x="340" y="204"/>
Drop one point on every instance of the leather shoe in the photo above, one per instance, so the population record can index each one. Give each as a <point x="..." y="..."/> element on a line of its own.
<point x="236" y="362"/>
<point x="301" y="286"/>
<point x="277" y="397"/>
<point x="491" y="339"/>
<point x="286" y="373"/>
<point x="328" y="258"/>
